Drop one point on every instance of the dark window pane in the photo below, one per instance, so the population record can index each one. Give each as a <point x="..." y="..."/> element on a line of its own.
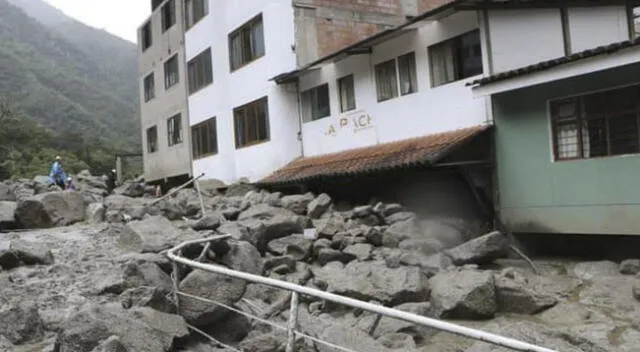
<point x="623" y="134"/>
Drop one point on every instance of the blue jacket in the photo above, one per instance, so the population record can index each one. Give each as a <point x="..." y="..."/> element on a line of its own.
<point x="57" y="173"/>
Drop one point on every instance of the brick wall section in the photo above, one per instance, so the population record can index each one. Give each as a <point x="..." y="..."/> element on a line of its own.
<point x="426" y="5"/>
<point x="334" y="35"/>
<point x="389" y="7"/>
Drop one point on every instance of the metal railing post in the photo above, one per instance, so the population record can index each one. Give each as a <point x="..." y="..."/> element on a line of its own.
<point x="293" y="323"/>
<point x="175" y="278"/>
<point x="196" y="184"/>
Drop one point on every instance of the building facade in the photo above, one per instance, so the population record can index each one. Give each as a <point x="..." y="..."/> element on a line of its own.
<point x="163" y="98"/>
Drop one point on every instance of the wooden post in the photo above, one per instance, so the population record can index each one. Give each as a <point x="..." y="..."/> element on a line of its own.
<point x="293" y="323"/>
<point x="196" y="184"/>
<point x="175" y="277"/>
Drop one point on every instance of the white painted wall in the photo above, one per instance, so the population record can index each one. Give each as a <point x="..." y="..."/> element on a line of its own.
<point x="428" y="111"/>
<point x="590" y="27"/>
<point x="251" y="82"/>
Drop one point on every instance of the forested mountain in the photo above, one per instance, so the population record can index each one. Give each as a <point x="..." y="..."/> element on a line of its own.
<point x="78" y="82"/>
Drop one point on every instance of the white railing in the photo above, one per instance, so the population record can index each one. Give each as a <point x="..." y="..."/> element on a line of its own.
<point x="175" y="254"/>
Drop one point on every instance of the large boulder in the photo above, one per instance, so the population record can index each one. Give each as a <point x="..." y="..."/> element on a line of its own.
<point x="130" y="189"/>
<point x="515" y="294"/>
<point x="266" y="223"/>
<point x="8" y="258"/>
<point x="95" y="213"/>
<point x="482" y="250"/>
<point x="32" y="253"/>
<point x="7" y="215"/>
<point x="112" y="344"/>
<point x="349" y="338"/>
<point x="318" y="206"/>
<point x="21" y="323"/>
<point x="400" y="231"/>
<point x="243" y="256"/>
<point x="210" y="286"/>
<point x="133" y="274"/>
<point x="135" y="208"/>
<point x="139" y="329"/>
<point x="298" y="246"/>
<point x="465" y="294"/>
<point x="210" y="221"/>
<point x="297" y="203"/>
<point x="145" y="296"/>
<point x="6" y="193"/>
<point x="153" y="234"/>
<point x="388" y="325"/>
<point x="330" y="226"/>
<point x="50" y="210"/>
<point x="375" y="281"/>
<point x="629" y="267"/>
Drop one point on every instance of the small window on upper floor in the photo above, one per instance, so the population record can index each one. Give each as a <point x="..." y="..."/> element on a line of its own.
<point x="315" y="103"/>
<point x="174" y="130"/>
<point x="347" y="93"/>
<point x="171" y="72"/>
<point x="407" y="74"/>
<point x="456" y="59"/>
<point x="386" y="80"/>
<point x="195" y="10"/>
<point x="634" y="21"/>
<point x="200" y="72"/>
<point x="146" y="36"/>
<point x="168" y="15"/>
<point x="246" y="43"/>
<point x="149" y="87"/>
<point x="204" y="139"/>
<point x="251" y="122"/>
<point x="152" y="139"/>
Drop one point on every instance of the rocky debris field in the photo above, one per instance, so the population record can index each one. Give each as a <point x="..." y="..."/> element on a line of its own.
<point x="93" y="276"/>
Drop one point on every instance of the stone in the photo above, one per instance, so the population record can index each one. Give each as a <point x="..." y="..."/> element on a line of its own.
<point x="237" y="231"/>
<point x="140" y="329"/>
<point x="629" y="267"/>
<point x="297" y="203"/>
<point x="373" y="280"/>
<point x="516" y="296"/>
<point x="6" y="193"/>
<point x="317" y="207"/>
<point x="597" y="269"/>
<point x="349" y="338"/>
<point x="152" y="297"/>
<point x="636" y="290"/>
<point x="112" y="344"/>
<point x="275" y="262"/>
<point x="239" y="189"/>
<point x="146" y="274"/>
<point x="327" y="255"/>
<point x="7" y="215"/>
<point x="161" y="261"/>
<point x="422" y="245"/>
<point x="266" y="223"/>
<point x="362" y="251"/>
<point x="430" y="265"/>
<point x="232" y="330"/>
<point x="362" y="211"/>
<point x="135" y="208"/>
<point x="153" y="234"/>
<point x="8" y="258"/>
<point x="400" y="216"/>
<point x="6" y="345"/>
<point x="463" y="294"/>
<point x="388" y="325"/>
<point x="231" y="213"/>
<point x="400" y="231"/>
<point x="96" y="213"/>
<point x="482" y="250"/>
<point x="32" y="253"/>
<point x="243" y="256"/>
<point x="374" y="235"/>
<point x="50" y="210"/>
<point x="398" y="341"/>
<point x="264" y="212"/>
<point x="262" y="343"/>
<point x="211" y="221"/>
<point x="211" y="286"/>
<point x="21" y="323"/>
<point x="328" y="227"/>
<point x="320" y="244"/>
<point x="130" y="189"/>
<point x="296" y="245"/>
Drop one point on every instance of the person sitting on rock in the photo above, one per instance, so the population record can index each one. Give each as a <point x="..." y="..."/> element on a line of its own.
<point x="70" y="185"/>
<point x="57" y="175"/>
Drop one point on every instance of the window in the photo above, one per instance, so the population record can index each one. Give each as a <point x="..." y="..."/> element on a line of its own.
<point x="174" y="130"/>
<point x="407" y="73"/>
<point x="347" y="93"/>
<point x="146" y="36"/>
<point x="315" y="103"/>
<point x="149" y="87"/>
<point x="597" y="125"/>
<point x="195" y="10"/>
<point x="152" y="139"/>
<point x="634" y="21"/>
<point x="252" y="123"/>
<point x="456" y="59"/>
<point x="204" y="139"/>
<point x="246" y="43"/>
<point x="200" y="71"/>
<point x="386" y="80"/>
<point x="171" y="74"/>
<point x="168" y="15"/>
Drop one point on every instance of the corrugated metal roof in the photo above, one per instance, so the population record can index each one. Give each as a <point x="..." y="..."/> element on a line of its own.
<point x="406" y="153"/>
<point x="545" y="65"/>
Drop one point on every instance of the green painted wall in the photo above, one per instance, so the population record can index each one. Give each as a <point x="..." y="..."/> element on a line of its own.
<point x="536" y="194"/>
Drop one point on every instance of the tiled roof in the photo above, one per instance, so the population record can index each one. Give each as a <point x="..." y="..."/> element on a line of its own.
<point x="545" y="65"/>
<point x="406" y="153"/>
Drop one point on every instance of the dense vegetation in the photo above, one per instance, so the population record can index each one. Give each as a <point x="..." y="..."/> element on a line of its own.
<point x="65" y="89"/>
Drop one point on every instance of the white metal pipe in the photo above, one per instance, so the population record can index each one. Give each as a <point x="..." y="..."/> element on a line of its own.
<point x="393" y="313"/>
<point x="293" y="323"/>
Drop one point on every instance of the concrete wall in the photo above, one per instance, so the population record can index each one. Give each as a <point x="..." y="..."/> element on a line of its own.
<point x="251" y="82"/>
<point x="428" y="111"/>
<point x="593" y="26"/>
<point x="539" y="195"/>
<point x="175" y="160"/>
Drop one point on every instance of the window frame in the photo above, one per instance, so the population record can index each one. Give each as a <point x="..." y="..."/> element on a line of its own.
<point x="347" y="78"/>
<point x="149" y="92"/>
<point x="169" y="8"/>
<point x="309" y="99"/>
<point x="457" y="64"/>
<point x="196" y="65"/>
<point x="412" y="72"/>
<point x="207" y="128"/>
<point x="242" y="110"/>
<point x="152" y="131"/>
<point x="171" y="124"/>
<point x="146" y="41"/>
<point x="167" y="82"/>
<point x="395" y="91"/>
<point x="245" y="33"/>
<point x="190" y="23"/>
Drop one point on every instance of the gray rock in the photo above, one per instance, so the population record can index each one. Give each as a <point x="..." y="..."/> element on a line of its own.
<point x="152" y="297"/>
<point x="328" y="227"/>
<point x="327" y="255"/>
<point x="482" y="250"/>
<point x="146" y="274"/>
<point x="320" y="244"/>
<point x="237" y="231"/>
<point x="243" y="256"/>
<point x="400" y="216"/>
<point x="422" y="245"/>
<point x="398" y="341"/>
<point x="6" y="345"/>
<point x="6" y="193"/>
<point x="285" y="260"/>
<point x="231" y="213"/>
<point x="374" y="235"/>
<point x="50" y="210"/>
<point x="140" y="329"/>
<point x="239" y="189"/>
<point x="112" y="344"/>
<point x="32" y="253"/>
<point x="375" y="281"/>
<point x="264" y="212"/>
<point x="7" y="215"/>
<point x="390" y="325"/>
<point x="218" y="288"/>
<point x="362" y="251"/>
<point x="262" y="343"/>
<point x="593" y="270"/>
<point x="160" y="260"/>
<point x="350" y="338"/>
<point x="515" y="295"/>
<point x="297" y="203"/>
<point x="635" y="290"/>
<point x="21" y="323"/>
<point x="362" y="211"/>
<point x="153" y="234"/>
<point x="211" y="221"/>
<point x="130" y="189"/>
<point x="96" y="213"/>
<point x="8" y="258"/>
<point x="136" y="208"/>
<point x="463" y="295"/>
<point x="232" y="330"/>
<point x="630" y="267"/>
<point x="266" y="223"/>
<point x="400" y="231"/>
<point x="430" y="265"/>
<point x="319" y="206"/>
<point x="297" y="246"/>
